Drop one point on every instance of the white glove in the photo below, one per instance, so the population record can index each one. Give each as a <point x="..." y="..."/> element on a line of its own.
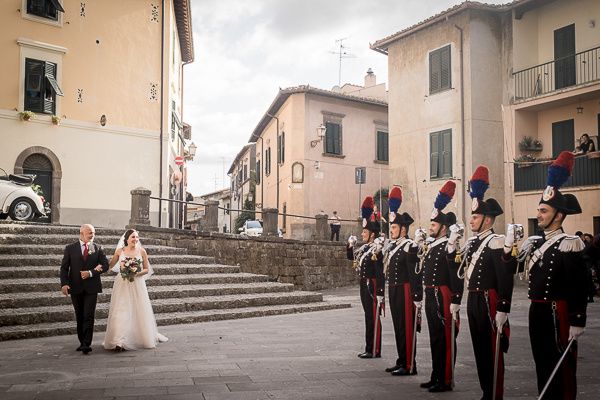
<point x="352" y="240"/>
<point x="454" y="309"/>
<point x="501" y="318"/>
<point x="380" y="299"/>
<point x="420" y="236"/>
<point x="509" y="240"/>
<point x="418" y="304"/>
<point x="456" y="232"/>
<point x="378" y="244"/>
<point x="575" y="332"/>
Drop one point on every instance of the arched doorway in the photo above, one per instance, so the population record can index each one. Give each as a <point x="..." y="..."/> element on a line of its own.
<point x="43" y="163"/>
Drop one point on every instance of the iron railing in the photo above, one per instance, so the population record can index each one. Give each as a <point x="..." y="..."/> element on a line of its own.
<point x="558" y="74"/>
<point x="586" y="172"/>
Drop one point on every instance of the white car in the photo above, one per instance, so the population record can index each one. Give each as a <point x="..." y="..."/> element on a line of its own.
<point x="18" y="200"/>
<point x="251" y="228"/>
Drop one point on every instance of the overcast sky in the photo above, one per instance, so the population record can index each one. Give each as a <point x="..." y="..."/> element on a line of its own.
<point x="245" y="50"/>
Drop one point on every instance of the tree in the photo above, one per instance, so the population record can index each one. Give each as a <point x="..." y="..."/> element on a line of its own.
<point x="245" y="215"/>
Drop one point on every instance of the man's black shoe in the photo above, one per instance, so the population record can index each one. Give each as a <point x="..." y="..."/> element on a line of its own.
<point x="80" y="348"/>
<point x="427" y="385"/>
<point x="440" y="388"/>
<point x="86" y="350"/>
<point x="403" y="371"/>
<point x="377" y="355"/>
<point x="366" y="354"/>
<point x="391" y="369"/>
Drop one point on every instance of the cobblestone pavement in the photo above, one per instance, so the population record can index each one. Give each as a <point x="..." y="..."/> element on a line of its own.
<point x="301" y="356"/>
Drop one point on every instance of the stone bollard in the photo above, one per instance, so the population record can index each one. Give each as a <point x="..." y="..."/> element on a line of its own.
<point x="270" y="217"/>
<point x="211" y="215"/>
<point x="322" y="227"/>
<point x="140" y="206"/>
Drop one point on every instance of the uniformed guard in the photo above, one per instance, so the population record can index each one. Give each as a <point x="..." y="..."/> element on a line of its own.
<point x="557" y="282"/>
<point x="368" y="262"/>
<point x="488" y="268"/>
<point x="405" y="289"/>
<point x="443" y="292"/>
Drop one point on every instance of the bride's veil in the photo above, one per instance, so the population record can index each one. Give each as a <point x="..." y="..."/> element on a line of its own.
<point x="120" y="245"/>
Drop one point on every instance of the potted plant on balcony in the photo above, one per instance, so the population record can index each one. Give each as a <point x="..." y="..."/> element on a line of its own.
<point x="530" y="144"/>
<point x="26" y="115"/>
<point x="55" y="120"/>
<point x="524" y="160"/>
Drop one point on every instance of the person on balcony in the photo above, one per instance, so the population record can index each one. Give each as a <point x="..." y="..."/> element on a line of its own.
<point x="586" y="145"/>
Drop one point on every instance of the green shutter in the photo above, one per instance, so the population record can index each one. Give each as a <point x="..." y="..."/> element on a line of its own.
<point x="337" y="139"/>
<point x="434" y="148"/>
<point x="434" y="71"/>
<point x="446" y="153"/>
<point x="445" y="68"/>
<point x="282" y="147"/>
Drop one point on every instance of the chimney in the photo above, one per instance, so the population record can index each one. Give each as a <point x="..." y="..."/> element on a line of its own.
<point x="370" y="78"/>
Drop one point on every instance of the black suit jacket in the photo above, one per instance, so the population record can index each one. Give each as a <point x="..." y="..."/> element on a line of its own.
<point x="72" y="264"/>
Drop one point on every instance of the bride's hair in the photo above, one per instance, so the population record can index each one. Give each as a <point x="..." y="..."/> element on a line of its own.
<point x="128" y="233"/>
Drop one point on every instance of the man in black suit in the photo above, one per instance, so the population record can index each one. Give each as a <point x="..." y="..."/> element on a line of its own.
<point x="80" y="270"/>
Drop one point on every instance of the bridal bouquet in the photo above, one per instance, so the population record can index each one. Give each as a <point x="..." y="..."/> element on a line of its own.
<point x="130" y="267"/>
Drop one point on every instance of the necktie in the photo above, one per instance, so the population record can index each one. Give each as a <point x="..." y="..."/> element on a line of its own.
<point x="85" y="252"/>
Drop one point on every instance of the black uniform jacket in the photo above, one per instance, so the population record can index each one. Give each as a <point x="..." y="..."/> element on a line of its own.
<point x="440" y="269"/>
<point x="402" y="265"/>
<point x="367" y="267"/>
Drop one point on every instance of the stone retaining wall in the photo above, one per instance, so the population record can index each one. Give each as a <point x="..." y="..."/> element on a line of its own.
<point x="309" y="265"/>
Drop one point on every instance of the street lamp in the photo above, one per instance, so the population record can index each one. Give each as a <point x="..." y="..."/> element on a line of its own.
<point x="192" y="149"/>
<point x="320" y="133"/>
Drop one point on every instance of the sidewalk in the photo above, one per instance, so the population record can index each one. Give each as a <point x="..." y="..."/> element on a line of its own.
<point x="299" y="356"/>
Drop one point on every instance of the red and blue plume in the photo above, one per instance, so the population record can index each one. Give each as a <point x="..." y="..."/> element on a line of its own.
<point x="445" y="195"/>
<point x="560" y="170"/>
<point x="395" y="199"/>
<point x="479" y="183"/>
<point x="367" y="207"/>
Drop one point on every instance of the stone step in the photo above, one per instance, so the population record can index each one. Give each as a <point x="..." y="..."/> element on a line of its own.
<point x="68" y="328"/>
<point x="63" y="240"/>
<point x="53" y="271"/>
<point x="26" y="249"/>
<point x="63" y="313"/>
<point x="12" y="260"/>
<point x="56" y="298"/>
<point x="53" y="284"/>
<point x="41" y="228"/>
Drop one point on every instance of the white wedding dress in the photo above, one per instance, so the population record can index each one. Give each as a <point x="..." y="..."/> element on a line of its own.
<point x="131" y="324"/>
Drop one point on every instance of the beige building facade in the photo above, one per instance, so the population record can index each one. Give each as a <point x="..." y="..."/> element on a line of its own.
<point x="112" y="72"/>
<point x="309" y="145"/>
<point x="242" y="174"/>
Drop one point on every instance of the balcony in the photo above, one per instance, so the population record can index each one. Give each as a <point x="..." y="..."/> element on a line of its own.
<point x="586" y="172"/>
<point x="578" y="69"/>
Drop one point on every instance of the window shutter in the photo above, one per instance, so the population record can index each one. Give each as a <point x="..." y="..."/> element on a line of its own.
<point x="434" y="71"/>
<point x="447" y="153"/>
<point x="434" y="147"/>
<point x="328" y="137"/>
<point x="282" y="152"/>
<point x="445" y="68"/>
<point x="257" y="179"/>
<point x="34" y="85"/>
<point x="337" y="139"/>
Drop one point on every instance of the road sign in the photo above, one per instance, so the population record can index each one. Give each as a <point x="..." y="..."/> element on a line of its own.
<point x="179" y="160"/>
<point x="360" y="175"/>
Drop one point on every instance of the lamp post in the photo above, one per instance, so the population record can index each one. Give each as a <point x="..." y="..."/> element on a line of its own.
<point x="321" y="130"/>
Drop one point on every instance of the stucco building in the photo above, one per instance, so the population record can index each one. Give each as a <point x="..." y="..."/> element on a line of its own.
<point x="112" y="72"/>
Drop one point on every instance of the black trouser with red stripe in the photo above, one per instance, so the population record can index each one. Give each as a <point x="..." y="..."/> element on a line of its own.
<point x="403" y="315"/>
<point x="549" y="334"/>
<point x="439" y="320"/>
<point x="368" y="298"/>
<point x="482" y="316"/>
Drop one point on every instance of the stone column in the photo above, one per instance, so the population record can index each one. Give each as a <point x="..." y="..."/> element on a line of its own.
<point x="269" y="221"/>
<point x="322" y="229"/>
<point x="211" y="215"/>
<point x="140" y="206"/>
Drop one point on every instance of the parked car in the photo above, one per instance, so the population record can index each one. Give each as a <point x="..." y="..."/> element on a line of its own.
<point x="18" y="200"/>
<point x="251" y="228"/>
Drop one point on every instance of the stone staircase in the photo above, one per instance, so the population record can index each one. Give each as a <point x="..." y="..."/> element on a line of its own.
<point x="184" y="288"/>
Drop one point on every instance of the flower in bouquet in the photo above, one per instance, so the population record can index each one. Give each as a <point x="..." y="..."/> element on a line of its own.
<point x="130" y="267"/>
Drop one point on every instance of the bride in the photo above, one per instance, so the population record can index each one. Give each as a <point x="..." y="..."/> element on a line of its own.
<point x="131" y="324"/>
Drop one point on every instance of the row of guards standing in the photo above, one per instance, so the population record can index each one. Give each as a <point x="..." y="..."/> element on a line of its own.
<point x="436" y="266"/>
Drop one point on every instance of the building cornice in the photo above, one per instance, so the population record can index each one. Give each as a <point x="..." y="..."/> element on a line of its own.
<point x="183" y="16"/>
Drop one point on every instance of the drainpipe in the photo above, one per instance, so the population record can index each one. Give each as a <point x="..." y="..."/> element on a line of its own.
<point x="162" y="105"/>
<point x="462" y="127"/>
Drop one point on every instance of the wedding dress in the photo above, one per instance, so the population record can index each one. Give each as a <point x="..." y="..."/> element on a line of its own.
<point x="131" y="324"/>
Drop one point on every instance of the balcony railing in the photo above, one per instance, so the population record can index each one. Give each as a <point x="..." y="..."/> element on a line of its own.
<point x="561" y="73"/>
<point x="586" y="172"/>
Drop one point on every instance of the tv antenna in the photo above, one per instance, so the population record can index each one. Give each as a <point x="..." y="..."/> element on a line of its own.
<point x="341" y="52"/>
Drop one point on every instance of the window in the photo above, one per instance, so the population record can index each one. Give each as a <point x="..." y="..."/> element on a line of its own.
<point x="440" y="154"/>
<point x="382" y="146"/>
<point x="258" y="171"/>
<point x="268" y="161"/>
<point x="45" y="8"/>
<point x="245" y="172"/>
<point x="333" y="138"/>
<point x="281" y="148"/>
<point x="41" y="87"/>
<point x="439" y="70"/>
